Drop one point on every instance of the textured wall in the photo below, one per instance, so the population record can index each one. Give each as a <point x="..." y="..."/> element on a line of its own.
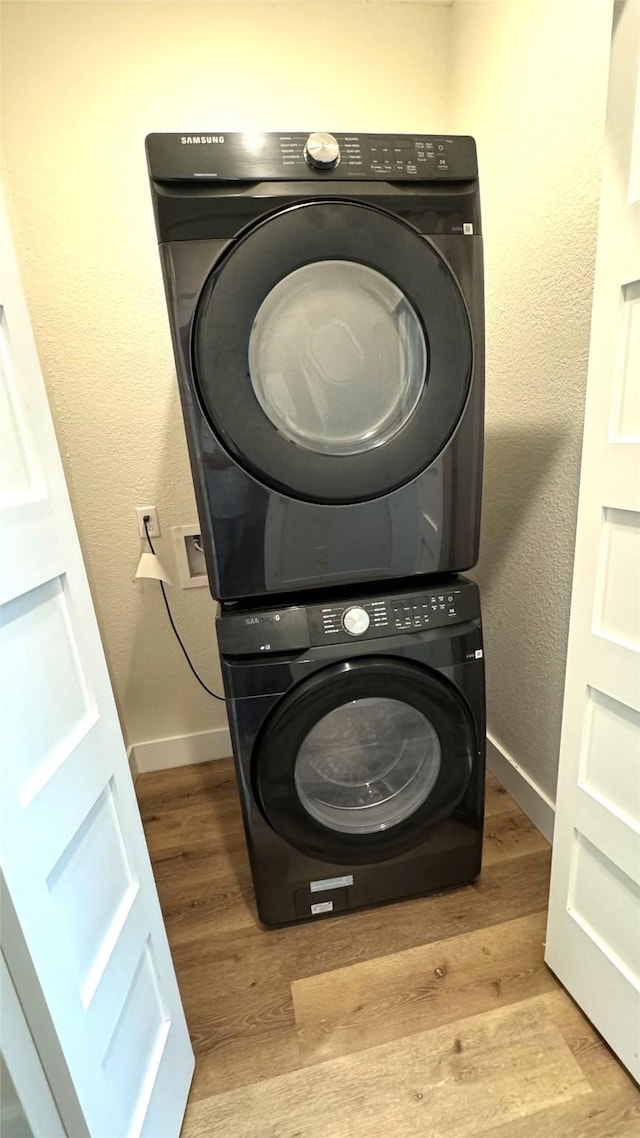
<point x="529" y="81"/>
<point x="82" y="83"/>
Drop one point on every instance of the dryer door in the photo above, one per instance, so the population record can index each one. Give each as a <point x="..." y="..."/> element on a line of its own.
<point x="360" y="760"/>
<point x="332" y="351"/>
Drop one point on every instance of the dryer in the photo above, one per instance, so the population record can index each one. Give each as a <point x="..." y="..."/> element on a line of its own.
<point x="325" y="298"/>
<point x="358" y="729"/>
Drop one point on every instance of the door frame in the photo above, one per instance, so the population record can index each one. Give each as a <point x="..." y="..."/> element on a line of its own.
<point x="27" y="987"/>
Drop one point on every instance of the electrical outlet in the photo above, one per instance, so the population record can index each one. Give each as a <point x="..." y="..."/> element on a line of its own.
<point x="153" y="523"/>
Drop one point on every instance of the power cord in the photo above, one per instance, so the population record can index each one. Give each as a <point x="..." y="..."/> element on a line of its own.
<point x="146" y="519"/>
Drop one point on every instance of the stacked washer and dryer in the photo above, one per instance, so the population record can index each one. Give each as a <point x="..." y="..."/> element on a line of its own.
<point x="325" y="297"/>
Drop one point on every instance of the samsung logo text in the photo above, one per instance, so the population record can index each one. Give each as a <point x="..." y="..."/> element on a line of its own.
<point x="200" y="139"/>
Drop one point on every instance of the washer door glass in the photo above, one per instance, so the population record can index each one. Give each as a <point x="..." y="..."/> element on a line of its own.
<point x="367" y="766"/>
<point x="337" y="357"/>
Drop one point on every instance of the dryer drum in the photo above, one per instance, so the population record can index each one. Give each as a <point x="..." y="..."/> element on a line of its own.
<point x="332" y="351"/>
<point x="358" y="762"/>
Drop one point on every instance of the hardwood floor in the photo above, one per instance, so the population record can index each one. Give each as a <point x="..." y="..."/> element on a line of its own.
<point x="435" y="1017"/>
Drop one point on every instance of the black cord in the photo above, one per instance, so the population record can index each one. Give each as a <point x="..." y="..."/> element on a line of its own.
<point x="146" y="521"/>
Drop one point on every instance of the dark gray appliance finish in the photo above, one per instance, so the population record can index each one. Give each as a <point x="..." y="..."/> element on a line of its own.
<point x="246" y="157"/>
<point x="360" y="756"/>
<point x="240" y="218"/>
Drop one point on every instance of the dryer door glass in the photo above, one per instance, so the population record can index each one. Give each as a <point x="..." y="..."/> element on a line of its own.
<point x="332" y="351"/>
<point x="368" y="765"/>
<point x="337" y="357"/>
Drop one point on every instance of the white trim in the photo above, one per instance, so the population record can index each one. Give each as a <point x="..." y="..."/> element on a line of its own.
<point x="35" y="1108"/>
<point x="36" y="1013"/>
<point x="180" y="750"/>
<point x="523" y="789"/>
<point x="133" y="766"/>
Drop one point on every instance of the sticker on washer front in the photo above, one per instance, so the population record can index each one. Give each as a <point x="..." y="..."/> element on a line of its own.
<point x="331" y="883"/>
<point x="322" y="907"/>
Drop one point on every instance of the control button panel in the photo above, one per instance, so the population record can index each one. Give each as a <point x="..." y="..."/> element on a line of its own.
<point x="303" y="156"/>
<point x="422" y="612"/>
<point x="410" y="156"/>
<point x="407" y="613"/>
<point x="297" y="628"/>
<point x="387" y="156"/>
<point x="355" y="619"/>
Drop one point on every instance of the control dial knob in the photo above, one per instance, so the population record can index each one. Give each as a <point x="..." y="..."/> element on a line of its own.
<point x="322" y="151"/>
<point x="355" y="621"/>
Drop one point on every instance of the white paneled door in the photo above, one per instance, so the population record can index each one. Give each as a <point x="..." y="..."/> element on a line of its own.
<point x="23" y="1083"/>
<point x="72" y="848"/>
<point x="593" y="936"/>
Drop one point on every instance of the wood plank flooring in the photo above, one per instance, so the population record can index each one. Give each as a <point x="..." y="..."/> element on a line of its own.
<point x="435" y="1017"/>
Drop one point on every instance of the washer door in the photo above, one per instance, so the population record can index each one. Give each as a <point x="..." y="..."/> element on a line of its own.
<point x="360" y="760"/>
<point x="332" y="351"/>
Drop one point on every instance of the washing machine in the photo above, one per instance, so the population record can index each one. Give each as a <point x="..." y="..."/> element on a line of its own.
<point x="325" y="298"/>
<point x="358" y="728"/>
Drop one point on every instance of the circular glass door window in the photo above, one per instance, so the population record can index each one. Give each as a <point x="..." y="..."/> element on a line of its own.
<point x="367" y="765"/>
<point x="337" y="357"/>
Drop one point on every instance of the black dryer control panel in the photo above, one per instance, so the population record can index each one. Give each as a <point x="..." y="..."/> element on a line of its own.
<point x="289" y="157"/>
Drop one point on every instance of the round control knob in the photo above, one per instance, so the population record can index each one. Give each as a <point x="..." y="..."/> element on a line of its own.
<point x="355" y="621"/>
<point x="322" y="151"/>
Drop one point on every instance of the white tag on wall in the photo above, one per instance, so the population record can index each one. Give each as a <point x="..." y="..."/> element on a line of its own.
<point x="151" y="566"/>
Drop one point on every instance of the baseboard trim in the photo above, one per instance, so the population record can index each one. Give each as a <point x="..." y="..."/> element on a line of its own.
<point x="523" y="789"/>
<point x="180" y="750"/>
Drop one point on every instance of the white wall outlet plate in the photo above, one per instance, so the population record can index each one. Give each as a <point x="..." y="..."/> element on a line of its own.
<point x="154" y="520"/>
<point x="190" y="564"/>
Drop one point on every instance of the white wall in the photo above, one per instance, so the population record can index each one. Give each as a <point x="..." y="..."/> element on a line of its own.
<point x="82" y="83"/>
<point x="529" y="81"/>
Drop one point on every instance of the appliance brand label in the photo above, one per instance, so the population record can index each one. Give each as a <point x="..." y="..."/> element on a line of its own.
<point x="331" y="883"/>
<point x="322" y="907"/>
<point x="200" y="139"/>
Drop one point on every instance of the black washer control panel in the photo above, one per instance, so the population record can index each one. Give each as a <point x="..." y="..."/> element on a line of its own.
<point x="277" y="157"/>
<point x="407" y="612"/>
<point x="298" y="627"/>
